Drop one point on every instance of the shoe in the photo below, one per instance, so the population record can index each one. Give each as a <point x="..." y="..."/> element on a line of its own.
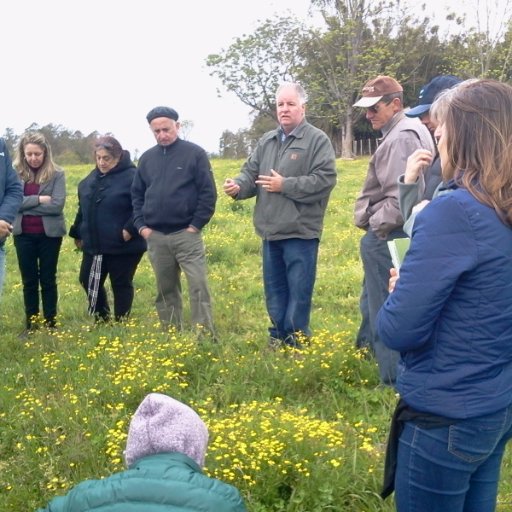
<point x="101" y="319"/>
<point x="274" y="343"/>
<point x="23" y="335"/>
<point x="292" y="342"/>
<point x="206" y="336"/>
<point x="50" y="324"/>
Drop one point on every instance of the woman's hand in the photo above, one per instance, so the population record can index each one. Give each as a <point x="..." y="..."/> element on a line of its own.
<point x="126" y="235"/>
<point x="418" y="207"/>
<point x="394" y="276"/>
<point x="45" y="199"/>
<point x="416" y="163"/>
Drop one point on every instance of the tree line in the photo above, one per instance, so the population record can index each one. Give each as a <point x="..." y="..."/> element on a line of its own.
<point x="357" y="40"/>
<point x="68" y="147"/>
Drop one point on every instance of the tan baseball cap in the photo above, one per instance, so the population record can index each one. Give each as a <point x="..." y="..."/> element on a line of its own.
<point x="376" y="88"/>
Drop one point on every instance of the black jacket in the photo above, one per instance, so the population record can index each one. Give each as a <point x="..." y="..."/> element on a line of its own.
<point x="105" y="209"/>
<point x="173" y="188"/>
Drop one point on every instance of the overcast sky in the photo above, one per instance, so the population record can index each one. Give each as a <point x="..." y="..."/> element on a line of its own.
<point x="103" y="64"/>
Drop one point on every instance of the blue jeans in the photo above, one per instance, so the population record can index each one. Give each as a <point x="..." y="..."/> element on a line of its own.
<point x="2" y="267"/>
<point x="289" y="272"/>
<point x="376" y="264"/>
<point x="454" y="468"/>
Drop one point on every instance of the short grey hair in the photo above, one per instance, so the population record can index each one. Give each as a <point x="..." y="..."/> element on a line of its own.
<point x="301" y="93"/>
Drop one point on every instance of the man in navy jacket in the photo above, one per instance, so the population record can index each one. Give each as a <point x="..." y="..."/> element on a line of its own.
<point x="174" y="197"/>
<point x="11" y="195"/>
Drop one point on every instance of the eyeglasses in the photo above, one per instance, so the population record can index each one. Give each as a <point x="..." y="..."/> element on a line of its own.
<point x="376" y="109"/>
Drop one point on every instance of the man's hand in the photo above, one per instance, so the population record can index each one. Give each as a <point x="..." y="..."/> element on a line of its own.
<point x="272" y="183"/>
<point x="145" y="232"/>
<point x="231" y="187"/>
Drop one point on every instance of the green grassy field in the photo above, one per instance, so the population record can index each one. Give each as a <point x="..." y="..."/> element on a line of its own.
<point x="293" y="434"/>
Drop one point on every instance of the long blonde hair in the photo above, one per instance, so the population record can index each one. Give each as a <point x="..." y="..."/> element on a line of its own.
<point x="47" y="169"/>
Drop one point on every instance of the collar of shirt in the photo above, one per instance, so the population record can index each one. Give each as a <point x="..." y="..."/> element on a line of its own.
<point x="283" y="136"/>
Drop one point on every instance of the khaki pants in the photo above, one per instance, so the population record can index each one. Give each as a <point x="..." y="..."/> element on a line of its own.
<point x="169" y="255"/>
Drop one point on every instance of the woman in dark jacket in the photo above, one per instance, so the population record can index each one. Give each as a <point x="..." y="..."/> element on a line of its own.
<point x="103" y="229"/>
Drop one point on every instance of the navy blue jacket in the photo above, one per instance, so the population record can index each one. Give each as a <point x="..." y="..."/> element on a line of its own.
<point x="105" y="209"/>
<point x="173" y="188"/>
<point x="11" y="191"/>
<point x="450" y="314"/>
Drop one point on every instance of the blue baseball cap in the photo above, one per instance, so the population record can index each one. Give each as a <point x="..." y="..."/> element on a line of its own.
<point x="429" y="92"/>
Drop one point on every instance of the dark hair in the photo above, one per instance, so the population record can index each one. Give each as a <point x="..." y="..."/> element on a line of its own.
<point x="109" y="144"/>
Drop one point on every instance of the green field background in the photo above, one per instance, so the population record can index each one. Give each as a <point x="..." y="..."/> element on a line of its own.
<point x="292" y="433"/>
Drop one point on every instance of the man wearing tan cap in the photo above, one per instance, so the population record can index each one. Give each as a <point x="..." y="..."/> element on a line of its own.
<point x="376" y="209"/>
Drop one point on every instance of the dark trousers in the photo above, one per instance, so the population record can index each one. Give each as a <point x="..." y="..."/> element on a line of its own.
<point x="376" y="263"/>
<point x="364" y="334"/>
<point x="38" y="256"/>
<point x="120" y="268"/>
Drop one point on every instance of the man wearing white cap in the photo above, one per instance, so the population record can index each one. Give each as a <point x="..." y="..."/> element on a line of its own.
<point x="376" y="209"/>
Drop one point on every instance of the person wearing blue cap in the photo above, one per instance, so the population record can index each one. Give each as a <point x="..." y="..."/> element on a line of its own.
<point x="423" y="172"/>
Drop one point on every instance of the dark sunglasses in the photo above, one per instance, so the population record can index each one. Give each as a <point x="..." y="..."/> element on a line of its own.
<point x="375" y="109"/>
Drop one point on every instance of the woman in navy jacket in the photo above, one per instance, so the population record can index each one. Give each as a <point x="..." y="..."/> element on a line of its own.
<point x="450" y="315"/>
<point x="103" y="229"/>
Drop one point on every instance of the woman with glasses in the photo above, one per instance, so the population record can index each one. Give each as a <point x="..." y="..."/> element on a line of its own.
<point x="38" y="228"/>
<point x="103" y="229"/>
<point x="450" y="314"/>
